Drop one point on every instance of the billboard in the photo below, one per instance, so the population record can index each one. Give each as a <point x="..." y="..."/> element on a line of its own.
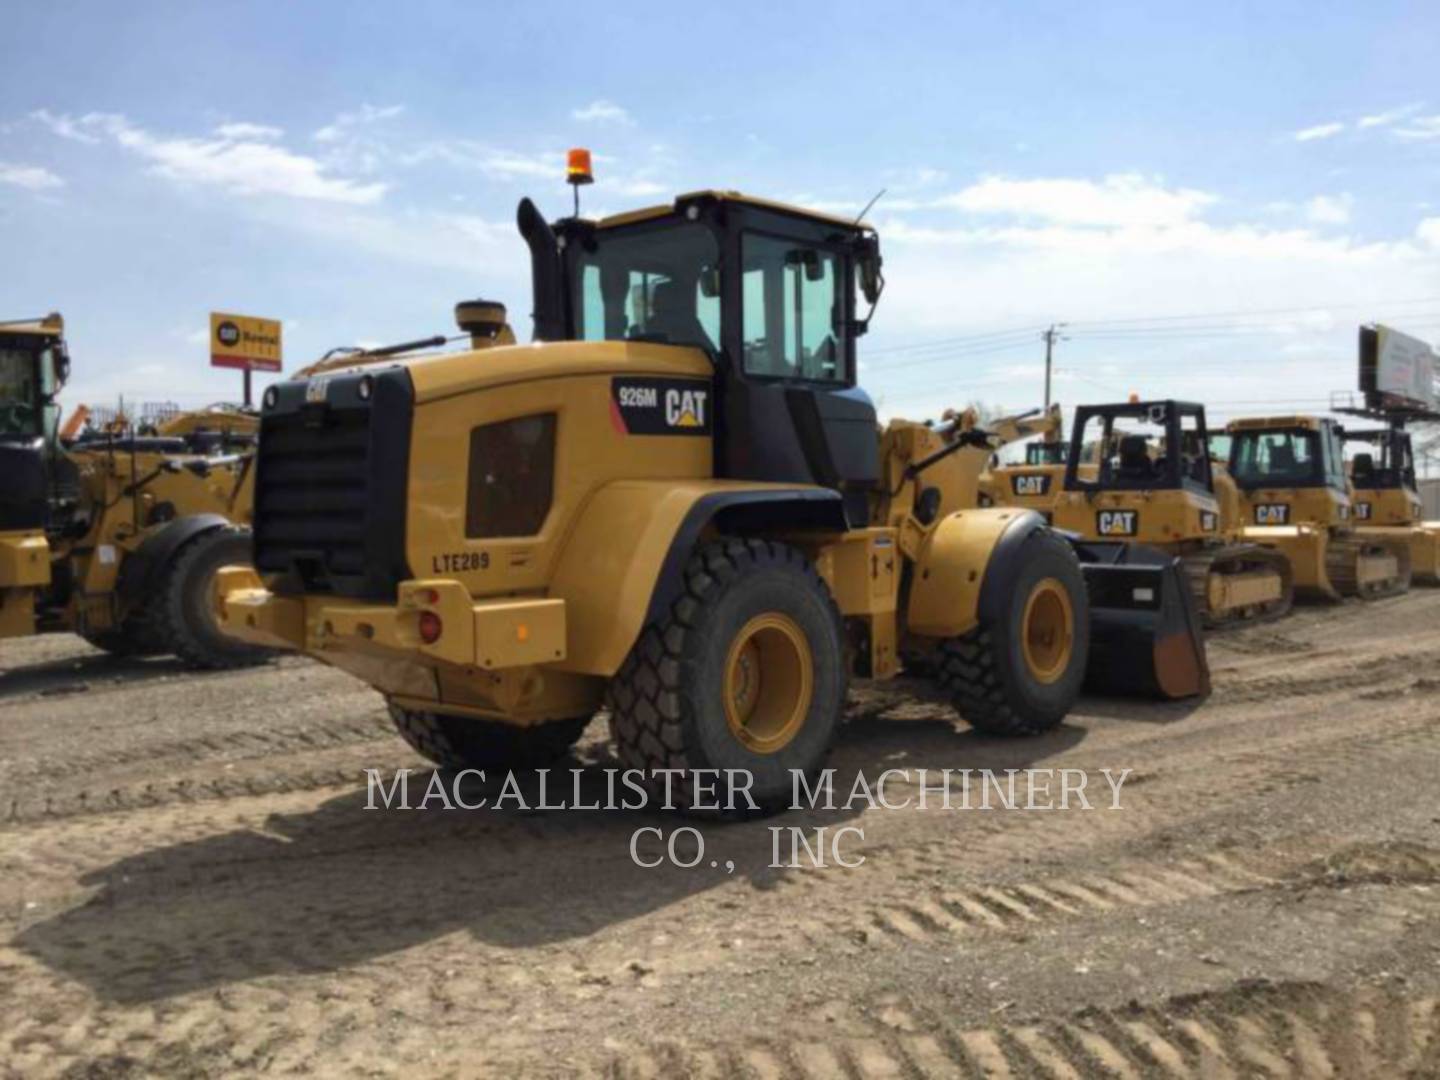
<point x="1397" y="370"/>
<point x="244" y="342"/>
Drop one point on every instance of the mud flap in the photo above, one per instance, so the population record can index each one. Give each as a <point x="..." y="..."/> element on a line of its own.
<point x="1145" y="635"/>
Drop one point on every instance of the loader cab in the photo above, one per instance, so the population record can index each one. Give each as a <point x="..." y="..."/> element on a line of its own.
<point x="767" y="292"/>
<point x="1143" y="446"/>
<point x="33" y="366"/>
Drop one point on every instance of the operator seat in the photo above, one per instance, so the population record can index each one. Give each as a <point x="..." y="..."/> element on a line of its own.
<point x="673" y="318"/>
<point x="1362" y="469"/>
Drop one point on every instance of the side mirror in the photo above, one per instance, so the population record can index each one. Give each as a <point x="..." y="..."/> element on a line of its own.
<point x="60" y="361"/>
<point x="1157" y="414"/>
<point x="868" y="263"/>
<point x="710" y="282"/>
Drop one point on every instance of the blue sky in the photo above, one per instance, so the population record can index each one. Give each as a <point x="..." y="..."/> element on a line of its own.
<point x="353" y="169"/>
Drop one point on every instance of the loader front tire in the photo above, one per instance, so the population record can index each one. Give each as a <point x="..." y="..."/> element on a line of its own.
<point x="1021" y="672"/>
<point x="181" y="615"/>
<point x="745" y="675"/>
<point x="463" y="742"/>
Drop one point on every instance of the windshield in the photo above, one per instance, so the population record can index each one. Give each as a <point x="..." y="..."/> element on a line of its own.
<point x="19" y="393"/>
<point x="1277" y="458"/>
<point x="651" y="284"/>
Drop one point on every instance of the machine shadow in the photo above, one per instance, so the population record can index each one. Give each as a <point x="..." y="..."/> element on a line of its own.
<point x="1134" y="710"/>
<point x="73" y="674"/>
<point x="341" y="885"/>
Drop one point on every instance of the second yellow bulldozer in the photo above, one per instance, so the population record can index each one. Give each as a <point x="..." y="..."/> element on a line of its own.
<point x="1295" y="499"/>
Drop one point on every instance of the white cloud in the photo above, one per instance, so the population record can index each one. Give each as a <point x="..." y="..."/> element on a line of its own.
<point x="240" y="166"/>
<point x="1330" y="209"/>
<point x="603" y="111"/>
<point x="29" y="177"/>
<point x="242" y="130"/>
<point x="366" y="114"/>
<point x="64" y="126"/>
<point x="1119" y="199"/>
<point x="1319" y="131"/>
<point x="1388" y="117"/>
<point x="1429" y="231"/>
<point x="1421" y="128"/>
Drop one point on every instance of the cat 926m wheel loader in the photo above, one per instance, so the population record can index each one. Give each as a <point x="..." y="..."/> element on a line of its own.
<point x="675" y="504"/>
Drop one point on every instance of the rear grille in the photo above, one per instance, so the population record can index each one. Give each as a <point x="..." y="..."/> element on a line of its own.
<point x="330" y="486"/>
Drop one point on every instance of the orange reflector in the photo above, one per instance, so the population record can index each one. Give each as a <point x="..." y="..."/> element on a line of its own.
<point x="430" y="627"/>
<point x="522" y="632"/>
<point x="577" y="167"/>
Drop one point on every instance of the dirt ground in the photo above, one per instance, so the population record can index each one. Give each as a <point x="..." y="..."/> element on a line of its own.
<point x="190" y="884"/>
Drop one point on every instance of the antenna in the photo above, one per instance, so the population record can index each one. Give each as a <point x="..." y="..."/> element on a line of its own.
<point x="861" y="216"/>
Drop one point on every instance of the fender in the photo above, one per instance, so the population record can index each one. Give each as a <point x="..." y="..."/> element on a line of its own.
<point x="964" y="568"/>
<point x="140" y="572"/>
<point x="623" y="564"/>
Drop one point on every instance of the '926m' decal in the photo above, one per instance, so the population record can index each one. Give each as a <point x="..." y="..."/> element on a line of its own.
<point x="1272" y="513"/>
<point x="654" y="406"/>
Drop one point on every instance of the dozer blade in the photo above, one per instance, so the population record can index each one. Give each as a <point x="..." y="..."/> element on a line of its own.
<point x="1145" y="636"/>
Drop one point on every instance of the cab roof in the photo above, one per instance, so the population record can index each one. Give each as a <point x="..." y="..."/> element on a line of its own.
<point x="1277" y="423"/>
<point x="649" y="213"/>
<point x="51" y="325"/>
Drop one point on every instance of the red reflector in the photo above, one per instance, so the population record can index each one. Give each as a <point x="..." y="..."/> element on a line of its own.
<point x="430" y="627"/>
<point x="429" y="596"/>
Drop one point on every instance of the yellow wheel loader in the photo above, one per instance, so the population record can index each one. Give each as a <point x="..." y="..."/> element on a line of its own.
<point x="1156" y="485"/>
<point x="1295" y="499"/>
<point x="113" y="536"/>
<point x="1385" y="499"/>
<point x="674" y="505"/>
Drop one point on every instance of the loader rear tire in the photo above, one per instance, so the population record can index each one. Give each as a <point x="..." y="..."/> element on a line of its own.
<point x="1020" y="673"/>
<point x="463" y="742"/>
<point x="182" y="612"/>
<point x="746" y="673"/>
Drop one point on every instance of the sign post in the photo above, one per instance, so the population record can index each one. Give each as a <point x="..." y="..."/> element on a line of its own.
<point x="244" y="342"/>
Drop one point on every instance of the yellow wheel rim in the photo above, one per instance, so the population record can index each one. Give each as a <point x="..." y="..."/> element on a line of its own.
<point x="769" y="683"/>
<point x="1048" y="630"/>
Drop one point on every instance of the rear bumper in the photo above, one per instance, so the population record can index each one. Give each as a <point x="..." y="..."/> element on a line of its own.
<point x="491" y="634"/>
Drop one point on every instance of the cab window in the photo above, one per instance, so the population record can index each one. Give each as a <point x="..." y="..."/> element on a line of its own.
<point x="656" y="285"/>
<point x="793" y="318"/>
<point x="19" y="392"/>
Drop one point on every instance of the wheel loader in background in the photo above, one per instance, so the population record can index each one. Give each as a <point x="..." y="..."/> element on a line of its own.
<point x="110" y="535"/>
<point x="1385" y="499"/>
<point x="674" y="505"/>
<point x="1295" y="498"/>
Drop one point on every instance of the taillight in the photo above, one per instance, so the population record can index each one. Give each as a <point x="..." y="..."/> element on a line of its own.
<point x="430" y="627"/>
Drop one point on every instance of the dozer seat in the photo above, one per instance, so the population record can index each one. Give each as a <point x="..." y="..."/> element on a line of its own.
<point x="1363" y="469"/>
<point x="1135" y="464"/>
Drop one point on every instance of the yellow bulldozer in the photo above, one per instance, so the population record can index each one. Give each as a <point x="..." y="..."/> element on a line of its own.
<point x="1295" y="499"/>
<point x="1385" y="498"/>
<point x="1140" y="472"/>
<point x="675" y="505"/>
<point x="110" y="534"/>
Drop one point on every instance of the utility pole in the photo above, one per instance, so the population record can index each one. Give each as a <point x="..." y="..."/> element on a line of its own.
<point x="1051" y="336"/>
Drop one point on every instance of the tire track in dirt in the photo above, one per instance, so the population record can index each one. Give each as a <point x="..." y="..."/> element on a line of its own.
<point x="1250" y="1029"/>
